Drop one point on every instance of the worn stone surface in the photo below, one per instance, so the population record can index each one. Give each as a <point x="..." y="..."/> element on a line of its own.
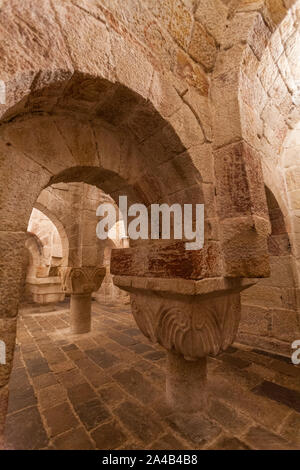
<point x="168" y="261"/>
<point x="179" y="101"/>
<point x="12" y="271"/>
<point x="125" y="410"/>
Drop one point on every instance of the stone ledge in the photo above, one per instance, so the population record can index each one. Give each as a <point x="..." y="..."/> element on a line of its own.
<point x="168" y="260"/>
<point x="215" y="286"/>
<point x="43" y="280"/>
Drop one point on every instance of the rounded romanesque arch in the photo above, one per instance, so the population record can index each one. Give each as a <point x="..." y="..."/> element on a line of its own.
<point x="35" y="260"/>
<point x="60" y="228"/>
<point x="259" y="68"/>
<point x="141" y="106"/>
<point x="175" y="101"/>
<point x="251" y="80"/>
<point x="35" y="249"/>
<point x="99" y="122"/>
<point x="290" y="164"/>
<point x="256" y="83"/>
<point x="86" y="104"/>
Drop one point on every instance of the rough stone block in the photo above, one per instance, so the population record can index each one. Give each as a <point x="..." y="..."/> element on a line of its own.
<point x="181" y="24"/>
<point x="255" y="320"/>
<point x="83" y="33"/>
<point x="187" y="127"/>
<point x="15" y="170"/>
<point x="188" y="70"/>
<point x="286" y="325"/>
<point x="213" y="15"/>
<point x="245" y="251"/>
<point x="168" y="261"/>
<point x="12" y="271"/>
<point x="239" y="181"/>
<point x="203" y="47"/>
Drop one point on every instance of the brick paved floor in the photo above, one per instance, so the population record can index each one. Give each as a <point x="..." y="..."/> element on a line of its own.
<point x="105" y="390"/>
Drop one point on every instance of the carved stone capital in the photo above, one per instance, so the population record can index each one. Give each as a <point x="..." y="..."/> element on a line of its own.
<point x="192" y="325"/>
<point x="82" y="280"/>
<point x="194" y="328"/>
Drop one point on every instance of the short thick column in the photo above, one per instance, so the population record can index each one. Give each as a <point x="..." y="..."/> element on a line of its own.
<point x="80" y="310"/>
<point x="186" y="383"/>
<point x="80" y="283"/>
<point x="191" y="320"/>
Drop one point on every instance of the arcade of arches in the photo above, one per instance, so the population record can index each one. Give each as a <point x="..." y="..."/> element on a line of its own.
<point x="142" y="344"/>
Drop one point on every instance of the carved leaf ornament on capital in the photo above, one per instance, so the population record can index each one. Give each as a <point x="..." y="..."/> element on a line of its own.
<point x="82" y="280"/>
<point x="195" y="329"/>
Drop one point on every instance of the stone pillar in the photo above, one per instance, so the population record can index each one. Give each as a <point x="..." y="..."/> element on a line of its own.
<point x="80" y="283"/>
<point x="242" y="210"/>
<point x="81" y="313"/>
<point x="191" y="320"/>
<point x="186" y="383"/>
<point x="12" y="276"/>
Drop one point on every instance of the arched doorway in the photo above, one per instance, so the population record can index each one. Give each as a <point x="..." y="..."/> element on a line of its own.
<point x="43" y="284"/>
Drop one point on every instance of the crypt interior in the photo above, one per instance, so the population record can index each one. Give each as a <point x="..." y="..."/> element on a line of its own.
<point x="141" y="344"/>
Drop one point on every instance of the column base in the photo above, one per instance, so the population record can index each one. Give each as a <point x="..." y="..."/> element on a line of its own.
<point x="80" y="313"/>
<point x="186" y="384"/>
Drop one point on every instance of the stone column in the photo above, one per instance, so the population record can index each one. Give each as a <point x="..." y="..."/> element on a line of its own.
<point x="12" y="276"/>
<point x="80" y="309"/>
<point x="186" y="383"/>
<point x="191" y="320"/>
<point x="80" y="283"/>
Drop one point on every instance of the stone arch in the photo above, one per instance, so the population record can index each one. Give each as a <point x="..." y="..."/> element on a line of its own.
<point x="110" y="118"/>
<point x="35" y="251"/>
<point x="60" y="228"/>
<point x="117" y="61"/>
<point x="85" y="104"/>
<point x="116" y="159"/>
<point x="268" y="104"/>
<point x="290" y="164"/>
<point x="123" y="65"/>
<point x="42" y="284"/>
<point x="119" y="152"/>
<point x="240" y="82"/>
<point x="251" y="41"/>
<point x="100" y="117"/>
<point x="279" y="240"/>
<point x="268" y="93"/>
<point x="35" y="247"/>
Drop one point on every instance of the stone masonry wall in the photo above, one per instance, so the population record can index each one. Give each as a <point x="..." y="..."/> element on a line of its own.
<point x="269" y="309"/>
